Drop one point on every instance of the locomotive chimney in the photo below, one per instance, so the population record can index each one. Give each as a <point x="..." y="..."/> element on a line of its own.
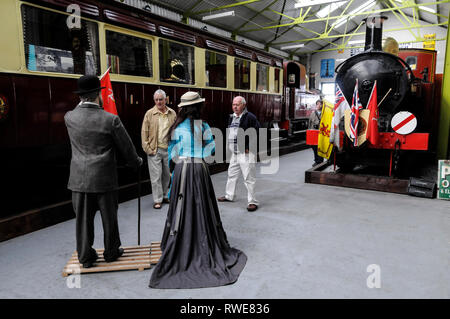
<point x="374" y="29"/>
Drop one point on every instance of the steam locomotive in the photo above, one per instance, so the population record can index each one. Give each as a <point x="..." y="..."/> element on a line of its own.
<point x="402" y="88"/>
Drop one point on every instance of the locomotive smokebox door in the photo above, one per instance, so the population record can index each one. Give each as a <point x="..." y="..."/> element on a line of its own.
<point x="389" y="70"/>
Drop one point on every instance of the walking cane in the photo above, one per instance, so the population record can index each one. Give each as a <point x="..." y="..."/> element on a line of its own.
<point x="139" y="205"/>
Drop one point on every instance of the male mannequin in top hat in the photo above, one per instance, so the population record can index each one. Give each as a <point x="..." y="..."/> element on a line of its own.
<point x="95" y="136"/>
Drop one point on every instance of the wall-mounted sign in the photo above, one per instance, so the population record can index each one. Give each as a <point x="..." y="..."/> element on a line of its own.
<point x="327" y="68"/>
<point x="430" y="41"/>
<point x="444" y="179"/>
<point x="406" y="45"/>
<point x="291" y="78"/>
<point x="355" y="51"/>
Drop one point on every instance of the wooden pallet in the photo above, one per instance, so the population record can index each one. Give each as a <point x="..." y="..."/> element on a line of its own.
<point x="133" y="258"/>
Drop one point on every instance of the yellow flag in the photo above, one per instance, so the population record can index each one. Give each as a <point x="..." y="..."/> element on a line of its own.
<point x="324" y="147"/>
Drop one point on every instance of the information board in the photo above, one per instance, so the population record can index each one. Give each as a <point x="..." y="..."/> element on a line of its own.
<point x="444" y="179"/>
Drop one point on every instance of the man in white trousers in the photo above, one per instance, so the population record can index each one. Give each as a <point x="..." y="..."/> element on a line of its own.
<point x="242" y="158"/>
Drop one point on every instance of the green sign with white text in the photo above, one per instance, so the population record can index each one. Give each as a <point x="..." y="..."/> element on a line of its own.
<point x="444" y="179"/>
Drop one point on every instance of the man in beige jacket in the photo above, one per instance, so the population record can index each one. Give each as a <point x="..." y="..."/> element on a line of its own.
<point x="155" y="140"/>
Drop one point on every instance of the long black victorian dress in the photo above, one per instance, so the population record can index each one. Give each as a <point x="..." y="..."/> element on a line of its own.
<point x="195" y="249"/>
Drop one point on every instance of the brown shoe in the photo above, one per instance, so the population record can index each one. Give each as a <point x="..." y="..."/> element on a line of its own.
<point x="252" y="207"/>
<point x="223" y="199"/>
<point x="166" y="201"/>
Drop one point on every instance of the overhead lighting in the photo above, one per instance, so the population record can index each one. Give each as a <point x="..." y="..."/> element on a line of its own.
<point x="293" y="46"/>
<point x="309" y="3"/>
<point x="361" y="8"/>
<point x="421" y="7"/>
<point x="218" y="15"/>
<point x="322" y="13"/>
<point x="356" y="41"/>
<point x="427" y="9"/>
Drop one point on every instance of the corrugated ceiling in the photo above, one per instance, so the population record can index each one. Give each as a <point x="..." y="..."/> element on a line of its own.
<point x="276" y="24"/>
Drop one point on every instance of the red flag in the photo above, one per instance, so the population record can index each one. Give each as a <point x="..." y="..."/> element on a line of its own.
<point x="109" y="104"/>
<point x="372" y="126"/>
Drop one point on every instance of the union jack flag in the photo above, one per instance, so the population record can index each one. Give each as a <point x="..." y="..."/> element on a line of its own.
<point x="354" y="118"/>
<point x="339" y="97"/>
<point x="340" y="105"/>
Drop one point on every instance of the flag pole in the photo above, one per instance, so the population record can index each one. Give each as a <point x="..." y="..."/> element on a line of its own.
<point x="370" y="97"/>
<point x="139" y="205"/>
<point x="105" y="73"/>
<point x="390" y="89"/>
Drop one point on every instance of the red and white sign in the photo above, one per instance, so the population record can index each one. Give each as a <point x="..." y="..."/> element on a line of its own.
<point x="404" y="122"/>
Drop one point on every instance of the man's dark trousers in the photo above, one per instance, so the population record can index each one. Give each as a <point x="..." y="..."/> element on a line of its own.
<point x="317" y="158"/>
<point x="85" y="206"/>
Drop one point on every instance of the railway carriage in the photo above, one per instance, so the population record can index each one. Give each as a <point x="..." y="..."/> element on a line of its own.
<point x="46" y="47"/>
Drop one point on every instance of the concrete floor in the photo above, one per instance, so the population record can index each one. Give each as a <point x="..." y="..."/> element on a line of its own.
<point x="305" y="241"/>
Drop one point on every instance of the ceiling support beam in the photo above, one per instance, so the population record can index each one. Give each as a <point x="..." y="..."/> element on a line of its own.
<point x="361" y="46"/>
<point x="411" y="23"/>
<point x="226" y="6"/>
<point x="344" y="41"/>
<point x="327" y="32"/>
<point x="281" y="34"/>
<point x="345" y="15"/>
<point x="235" y="31"/>
<point x="360" y="33"/>
<point x="278" y="29"/>
<point x="301" y="17"/>
<point x="188" y="13"/>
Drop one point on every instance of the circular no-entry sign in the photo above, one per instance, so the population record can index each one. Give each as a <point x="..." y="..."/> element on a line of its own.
<point x="404" y="122"/>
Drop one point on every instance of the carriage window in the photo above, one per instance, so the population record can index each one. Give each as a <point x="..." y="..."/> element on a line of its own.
<point x="128" y="55"/>
<point x="262" y="77"/>
<point x="241" y="74"/>
<point x="277" y="80"/>
<point x="216" y="69"/>
<point x="176" y="62"/>
<point x="52" y="46"/>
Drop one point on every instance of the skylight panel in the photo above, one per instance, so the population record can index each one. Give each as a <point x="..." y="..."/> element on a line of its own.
<point x="322" y="13"/>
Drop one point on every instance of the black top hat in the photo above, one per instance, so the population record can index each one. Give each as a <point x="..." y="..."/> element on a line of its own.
<point x="88" y="84"/>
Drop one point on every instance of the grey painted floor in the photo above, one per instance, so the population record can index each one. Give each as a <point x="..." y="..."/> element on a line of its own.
<point x="305" y="241"/>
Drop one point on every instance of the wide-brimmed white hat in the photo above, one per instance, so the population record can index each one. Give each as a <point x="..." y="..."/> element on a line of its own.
<point x="189" y="98"/>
